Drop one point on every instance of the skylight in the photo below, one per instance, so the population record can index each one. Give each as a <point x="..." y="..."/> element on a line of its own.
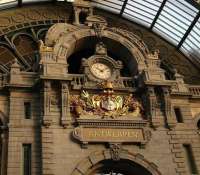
<point x="142" y="12"/>
<point x="110" y="5"/>
<point x="174" y="20"/>
<point x="191" y="46"/>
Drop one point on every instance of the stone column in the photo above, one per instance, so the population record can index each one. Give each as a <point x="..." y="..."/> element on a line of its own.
<point x="76" y="14"/>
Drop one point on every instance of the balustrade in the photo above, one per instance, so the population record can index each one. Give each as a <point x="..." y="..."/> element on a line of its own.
<point x="194" y="90"/>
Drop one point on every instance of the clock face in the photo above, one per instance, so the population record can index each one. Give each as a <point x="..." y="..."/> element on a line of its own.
<point x="101" y="71"/>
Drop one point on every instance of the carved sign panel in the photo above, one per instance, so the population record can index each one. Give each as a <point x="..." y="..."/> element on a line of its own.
<point x="109" y="135"/>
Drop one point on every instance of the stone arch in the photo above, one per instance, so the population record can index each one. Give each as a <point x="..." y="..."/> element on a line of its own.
<point x="96" y="157"/>
<point x="22" y="34"/>
<point x="197" y="120"/>
<point x="3" y="118"/>
<point x="6" y="52"/>
<point x="67" y="44"/>
<point x="26" y="49"/>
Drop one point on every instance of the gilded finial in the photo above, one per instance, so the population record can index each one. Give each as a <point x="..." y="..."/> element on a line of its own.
<point x="44" y="48"/>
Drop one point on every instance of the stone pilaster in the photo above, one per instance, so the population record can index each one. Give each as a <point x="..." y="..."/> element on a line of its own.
<point x="46" y="132"/>
<point x="47" y="120"/>
<point x="4" y="144"/>
<point x="65" y="116"/>
<point x="152" y="106"/>
<point x="171" y="121"/>
<point x="47" y="151"/>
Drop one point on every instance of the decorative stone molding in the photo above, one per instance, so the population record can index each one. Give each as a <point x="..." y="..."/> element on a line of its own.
<point x="69" y="41"/>
<point x="96" y="157"/>
<point x="20" y="18"/>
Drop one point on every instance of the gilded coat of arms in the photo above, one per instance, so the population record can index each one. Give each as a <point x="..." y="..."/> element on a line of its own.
<point x="106" y="104"/>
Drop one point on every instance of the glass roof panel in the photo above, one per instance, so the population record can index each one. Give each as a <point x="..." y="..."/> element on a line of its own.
<point x="191" y="46"/>
<point x="142" y="12"/>
<point x="6" y="1"/>
<point x="114" y="6"/>
<point x="166" y="34"/>
<point x="175" y="19"/>
<point x="32" y="1"/>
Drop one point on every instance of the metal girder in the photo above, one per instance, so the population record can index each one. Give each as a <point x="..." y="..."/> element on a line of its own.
<point x="158" y="13"/>
<point x="189" y="30"/>
<point x="123" y="7"/>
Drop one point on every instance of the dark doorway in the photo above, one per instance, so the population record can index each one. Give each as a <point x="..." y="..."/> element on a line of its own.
<point x="122" y="167"/>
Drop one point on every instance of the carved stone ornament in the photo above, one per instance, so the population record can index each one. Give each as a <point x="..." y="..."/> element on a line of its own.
<point x="115" y="150"/>
<point x="96" y="21"/>
<point x="54" y="100"/>
<point x="105" y="105"/>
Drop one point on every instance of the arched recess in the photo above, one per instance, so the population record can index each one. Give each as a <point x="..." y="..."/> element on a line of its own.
<point x="69" y="43"/>
<point x="3" y="143"/>
<point x="85" y="48"/>
<point x="27" y="50"/>
<point x="7" y="57"/>
<point x="86" y="166"/>
<point x="197" y="120"/>
<point x="41" y="33"/>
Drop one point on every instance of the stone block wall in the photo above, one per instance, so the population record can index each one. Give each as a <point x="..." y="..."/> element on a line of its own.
<point x="67" y="152"/>
<point x="184" y="133"/>
<point x="62" y="153"/>
<point x="23" y="131"/>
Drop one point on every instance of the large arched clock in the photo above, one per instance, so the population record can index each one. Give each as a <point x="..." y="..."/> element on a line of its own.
<point x="101" y="67"/>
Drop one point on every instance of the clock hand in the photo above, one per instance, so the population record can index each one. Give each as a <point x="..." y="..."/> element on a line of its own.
<point x="105" y="69"/>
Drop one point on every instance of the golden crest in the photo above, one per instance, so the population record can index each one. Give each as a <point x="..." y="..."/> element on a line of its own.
<point x="105" y="105"/>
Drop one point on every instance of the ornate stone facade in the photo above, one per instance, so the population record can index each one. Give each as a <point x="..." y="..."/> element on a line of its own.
<point x="100" y="99"/>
